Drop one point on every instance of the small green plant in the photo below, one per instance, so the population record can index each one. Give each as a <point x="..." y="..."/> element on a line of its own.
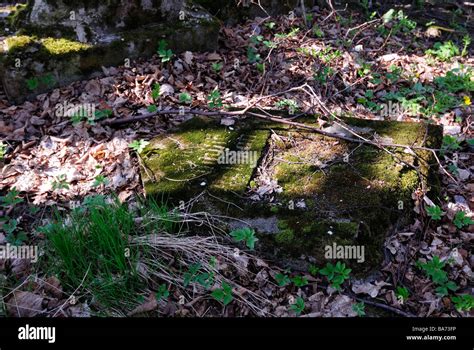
<point x="215" y="100"/>
<point x="223" y="294"/>
<point x="245" y="234"/>
<point x="434" y="212"/>
<point x="11" y="198"/>
<point x="90" y="248"/>
<point x="10" y="226"/>
<point x="193" y="275"/>
<point x="47" y="80"/>
<point x="217" y="66"/>
<point x="185" y="98"/>
<point x="313" y="270"/>
<point x="32" y="83"/>
<point x="461" y="220"/>
<point x="444" y="51"/>
<point x="367" y="101"/>
<point x="60" y="182"/>
<point x="138" y="145"/>
<point x="252" y="55"/>
<point x="299" y="281"/>
<point x="456" y="80"/>
<point x="364" y="69"/>
<point x="317" y="31"/>
<point x="155" y="92"/>
<point x="282" y="279"/>
<point x="152" y="108"/>
<point x="359" y="309"/>
<point x="401" y="23"/>
<point x="394" y="73"/>
<point x="270" y="44"/>
<point x="256" y="39"/>
<point x="402" y="293"/>
<point x="270" y="25"/>
<point x="336" y="274"/>
<point x="464" y="302"/>
<point x="298" y="306"/>
<point x="261" y="67"/>
<point x="322" y="75"/>
<point x="100" y="180"/>
<point x="162" y="292"/>
<point x="292" y="33"/>
<point x="466" y="40"/>
<point x="291" y="105"/>
<point x="434" y="270"/>
<point x="15" y="239"/>
<point x="3" y="150"/>
<point x="164" y="53"/>
<point x="450" y="144"/>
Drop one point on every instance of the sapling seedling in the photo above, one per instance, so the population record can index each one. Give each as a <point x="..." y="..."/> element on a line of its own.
<point x="359" y="309"/>
<point x="245" y="234"/>
<point x="3" y="150"/>
<point x="461" y="220"/>
<point x="336" y="274"/>
<point x="217" y="66"/>
<point x="464" y="302"/>
<point x="138" y="145"/>
<point x="282" y="280"/>
<point x="162" y="292"/>
<point x="11" y="198"/>
<point x="299" y="281"/>
<point x="185" y="98"/>
<point x="298" y="306"/>
<point x="164" y="53"/>
<point x="434" y="212"/>
<point x="100" y="180"/>
<point x="60" y="182"/>
<point x="215" y="100"/>
<point x="223" y="294"/>
<point x="402" y="293"/>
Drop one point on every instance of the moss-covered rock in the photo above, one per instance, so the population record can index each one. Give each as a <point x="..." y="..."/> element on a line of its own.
<point x="69" y="50"/>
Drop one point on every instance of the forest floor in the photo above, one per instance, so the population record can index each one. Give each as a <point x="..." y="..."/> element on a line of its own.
<point x="52" y="165"/>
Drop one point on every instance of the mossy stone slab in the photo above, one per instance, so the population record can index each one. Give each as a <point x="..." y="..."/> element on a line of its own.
<point x="330" y="191"/>
<point x="193" y="158"/>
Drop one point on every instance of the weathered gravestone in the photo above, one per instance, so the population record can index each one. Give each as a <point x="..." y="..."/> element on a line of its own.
<point x="60" y="41"/>
<point x="305" y="191"/>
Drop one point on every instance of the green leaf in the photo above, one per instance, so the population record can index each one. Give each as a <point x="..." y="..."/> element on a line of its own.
<point x="359" y="308"/>
<point x="162" y="292"/>
<point x="185" y="98"/>
<point x="282" y="279"/>
<point x="434" y="212"/>
<point x="224" y="294"/>
<point x="300" y="281"/>
<point x="298" y="306"/>
<point x="461" y="220"/>
<point x="138" y="145"/>
<point x="245" y="234"/>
